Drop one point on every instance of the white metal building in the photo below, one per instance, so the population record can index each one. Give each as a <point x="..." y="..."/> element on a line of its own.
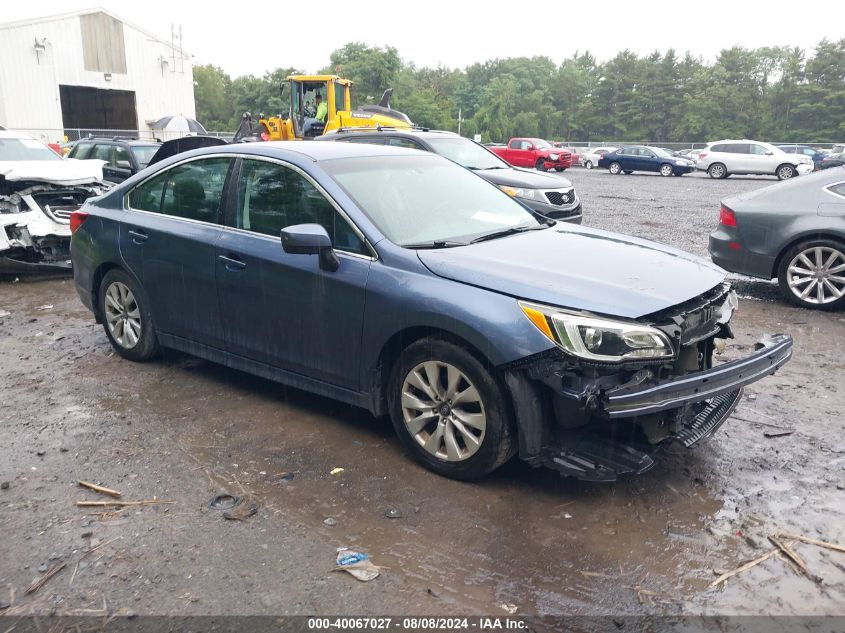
<point x="89" y="70"/>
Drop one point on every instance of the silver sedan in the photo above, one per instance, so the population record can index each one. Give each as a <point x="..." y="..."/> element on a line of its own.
<point x="795" y="231"/>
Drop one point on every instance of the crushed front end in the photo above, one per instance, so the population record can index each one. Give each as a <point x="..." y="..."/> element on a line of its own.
<point x="35" y="224"/>
<point x="596" y="417"/>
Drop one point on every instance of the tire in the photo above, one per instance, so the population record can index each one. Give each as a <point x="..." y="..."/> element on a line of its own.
<point x="588" y="165"/>
<point x="127" y="319"/>
<point x="629" y="171"/>
<point x="614" y="168"/>
<point x="423" y="370"/>
<point x="540" y="164"/>
<point x="824" y="254"/>
<point x="785" y="172"/>
<point x="717" y="171"/>
<point x="560" y="168"/>
<point x="666" y="170"/>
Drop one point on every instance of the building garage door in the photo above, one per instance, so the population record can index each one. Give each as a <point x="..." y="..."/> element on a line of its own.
<point x="93" y="109"/>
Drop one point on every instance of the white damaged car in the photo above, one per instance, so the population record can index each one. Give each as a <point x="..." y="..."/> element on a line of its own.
<point x="38" y="191"/>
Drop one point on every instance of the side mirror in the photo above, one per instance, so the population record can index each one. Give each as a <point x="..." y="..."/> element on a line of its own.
<point x="310" y="239"/>
<point x="530" y="147"/>
<point x="123" y="164"/>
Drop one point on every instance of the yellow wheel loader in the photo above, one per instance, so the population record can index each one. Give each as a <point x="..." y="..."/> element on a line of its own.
<point x="303" y="122"/>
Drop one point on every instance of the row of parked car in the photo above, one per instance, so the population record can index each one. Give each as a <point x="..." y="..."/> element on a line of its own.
<point x="719" y="159"/>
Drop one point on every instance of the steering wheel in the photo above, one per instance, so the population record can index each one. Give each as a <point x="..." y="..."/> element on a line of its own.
<point x="309" y="110"/>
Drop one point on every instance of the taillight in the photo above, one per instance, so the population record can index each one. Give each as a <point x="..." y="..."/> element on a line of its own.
<point x="77" y="218"/>
<point x="702" y="155"/>
<point x="727" y="217"/>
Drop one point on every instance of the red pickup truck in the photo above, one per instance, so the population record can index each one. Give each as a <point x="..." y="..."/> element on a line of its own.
<point x="534" y="152"/>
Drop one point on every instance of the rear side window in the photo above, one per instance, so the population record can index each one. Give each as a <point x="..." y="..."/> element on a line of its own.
<point x="516" y="144"/>
<point x="193" y="191"/>
<point x="80" y="150"/>
<point x="147" y="196"/>
<point x="101" y="152"/>
<point x="372" y="139"/>
<point x="719" y="148"/>
<point x="403" y="142"/>
<point x="272" y="197"/>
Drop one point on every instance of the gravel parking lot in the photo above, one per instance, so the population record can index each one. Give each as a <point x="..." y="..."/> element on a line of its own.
<point x="180" y="429"/>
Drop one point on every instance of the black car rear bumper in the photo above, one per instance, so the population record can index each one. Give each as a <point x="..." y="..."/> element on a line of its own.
<point x="623" y="401"/>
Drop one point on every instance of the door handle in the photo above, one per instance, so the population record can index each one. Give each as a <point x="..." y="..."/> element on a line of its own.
<point x="138" y="237"/>
<point x="232" y="264"/>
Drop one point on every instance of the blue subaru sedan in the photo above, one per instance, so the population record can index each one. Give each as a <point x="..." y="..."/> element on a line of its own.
<point x="400" y="282"/>
<point x="645" y="158"/>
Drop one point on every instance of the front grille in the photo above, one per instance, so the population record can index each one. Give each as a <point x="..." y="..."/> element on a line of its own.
<point x="560" y="198"/>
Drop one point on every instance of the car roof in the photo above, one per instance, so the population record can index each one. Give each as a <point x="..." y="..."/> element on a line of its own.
<point x="313" y="150"/>
<point x="416" y="133"/>
<point x="116" y="141"/>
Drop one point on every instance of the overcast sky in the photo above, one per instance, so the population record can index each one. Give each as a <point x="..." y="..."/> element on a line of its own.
<point x="250" y="37"/>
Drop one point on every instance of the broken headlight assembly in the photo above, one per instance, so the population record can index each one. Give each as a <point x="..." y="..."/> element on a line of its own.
<point x="596" y="339"/>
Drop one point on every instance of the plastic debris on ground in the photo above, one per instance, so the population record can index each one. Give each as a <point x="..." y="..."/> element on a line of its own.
<point x="336" y="471"/>
<point x="356" y="563"/>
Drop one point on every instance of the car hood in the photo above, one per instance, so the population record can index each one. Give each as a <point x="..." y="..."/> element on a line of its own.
<point x="523" y="178"/>
<point x="579" y="268"/>
<point x="58" y="172"/>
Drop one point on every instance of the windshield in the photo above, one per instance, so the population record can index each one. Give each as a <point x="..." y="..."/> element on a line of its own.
<point x="25" y="149"/>
<point x="467" y="153"/>
<point x="541" y="144"/>
<point x="425" y="198"/>
<point x="144" y="153"/>
<point x="660" y="152"/>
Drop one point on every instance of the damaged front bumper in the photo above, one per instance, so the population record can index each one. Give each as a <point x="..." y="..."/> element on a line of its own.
<point x="627" y="401"/>
<point x="35" y="225"/>
<point x="626" y="424"/>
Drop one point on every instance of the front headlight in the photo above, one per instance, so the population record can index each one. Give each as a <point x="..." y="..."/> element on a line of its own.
<point x="554" y="156"/>
<point x="596" y="339"/>
<point x="681" y="162"/>
<point x="528" y="194"/>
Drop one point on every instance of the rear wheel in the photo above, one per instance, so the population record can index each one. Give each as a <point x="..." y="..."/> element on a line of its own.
<point x="784" y="172"/>
<point x="666" y="169"/>
<point x="629" y="171"/>
<point x="614" y="168"/>
<point x="449" y="411"/>
<point x="540" y="164"/>
<point x="588" y="164"/>
<point x="812" y="274"/>
<point x="717" y="170"/>
<point x="126" y="317"/>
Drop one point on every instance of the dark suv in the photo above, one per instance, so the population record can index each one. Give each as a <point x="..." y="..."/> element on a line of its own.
<point x="124" y="157"/>
<point x="551" y="196"/>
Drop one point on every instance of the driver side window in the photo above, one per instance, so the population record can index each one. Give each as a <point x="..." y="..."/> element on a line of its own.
<point x="272" y="197"/>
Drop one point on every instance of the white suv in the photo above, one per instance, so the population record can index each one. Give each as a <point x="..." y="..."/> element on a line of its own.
<point x="723" y="158"/>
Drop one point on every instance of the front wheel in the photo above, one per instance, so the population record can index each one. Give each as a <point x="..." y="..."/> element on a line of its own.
<point x="588" y="164"/>
<point x="126" y="317"/>
<point x="540" y="164"/>
<point x="449" y="411"/>
<point x="785" y="172"/>
<point x="614" y="168"/>
<point x="812" y="274"/>
<point x="666" y="169"/>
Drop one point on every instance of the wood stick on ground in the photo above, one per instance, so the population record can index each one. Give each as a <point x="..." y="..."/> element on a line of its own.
<point x="43" y="580"/>
<point x="96" y="488"/>
<point x="122" y="504"/>
<point x="812" y="541"/>
<point x="746" y="566"/>
<point x="789" y="553"/>
<point x="90" y="551"/>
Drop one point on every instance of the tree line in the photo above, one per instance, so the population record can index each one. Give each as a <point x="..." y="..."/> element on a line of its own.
<point x="773" y="93"/>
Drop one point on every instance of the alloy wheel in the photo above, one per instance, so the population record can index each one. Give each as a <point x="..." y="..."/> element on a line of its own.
<point x="588" y="164"/>
<point x="443" y="411"/>
<point x="785" y="172"/>
<point x="666" y="170"/>
<point x="716" y="171"/>
<point x="817" y="275"/>
<point x="123" y="316"/>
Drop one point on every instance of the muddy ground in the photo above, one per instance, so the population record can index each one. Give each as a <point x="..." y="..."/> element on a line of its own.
<point x="180" y="429"/>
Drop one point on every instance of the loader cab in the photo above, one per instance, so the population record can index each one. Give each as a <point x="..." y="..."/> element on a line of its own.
<point x="303" y="95"/>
